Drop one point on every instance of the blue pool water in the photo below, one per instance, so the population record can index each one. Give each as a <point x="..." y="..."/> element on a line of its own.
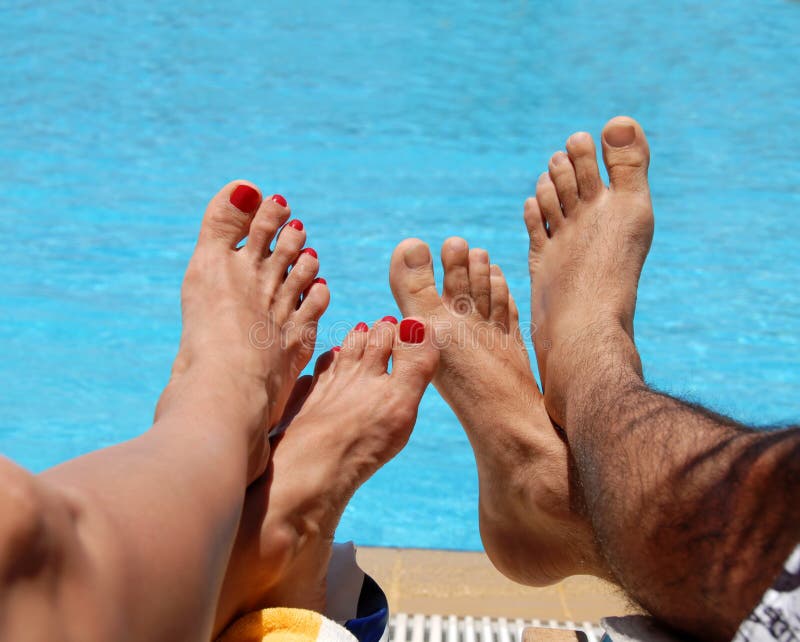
<point x="380" y="121"/>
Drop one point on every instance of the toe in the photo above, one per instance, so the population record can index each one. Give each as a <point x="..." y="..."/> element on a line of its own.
<point x="273" y="213"/>
<point x="562" y="173"/>
<point x="534" y="221"/>
<point x="549" y="203"/>
<point x="500" y="297"/>
<point x="300" y="279"/>
<point x="287" y="250"/>
<point x="379" y="347"/>
<point x="626" y="154"/>
<point x="354" y="344"/>
<point x="583" y="155"/>
<point x="411" y="278"/>
<point x="323" y="364"/>
<point x="315" y="301"/>
<point x="479" y="283"/>
<point x="456" y="290"/>
<point x="414" y="357"/>
<point x="229" y="214"/>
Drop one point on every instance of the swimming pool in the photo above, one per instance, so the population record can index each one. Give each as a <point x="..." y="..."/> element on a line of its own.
<point x="380" y="121"/>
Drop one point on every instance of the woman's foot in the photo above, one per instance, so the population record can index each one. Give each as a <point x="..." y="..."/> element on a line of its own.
<point x="343" y="425"/>
<point x="587" y="247"/>
<point x="245" y="338"/>
<point x="531" y="516"/>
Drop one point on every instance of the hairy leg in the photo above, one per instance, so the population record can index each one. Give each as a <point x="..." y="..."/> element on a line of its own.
<point x="532" y="519"/>
<point x="132" y="542"/>
<point x="695" y="513"/>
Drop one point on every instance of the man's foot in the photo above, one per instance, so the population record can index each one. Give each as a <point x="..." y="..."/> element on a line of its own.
<point x="245" y="338"/>
<point x="588" y="244"/>
<point x="343" y="425"/>
<point x="531" y="518"/>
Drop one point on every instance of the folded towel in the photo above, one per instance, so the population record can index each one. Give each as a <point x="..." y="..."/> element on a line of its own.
<point x="354" y="600"/>
<point x="285" y="625"/>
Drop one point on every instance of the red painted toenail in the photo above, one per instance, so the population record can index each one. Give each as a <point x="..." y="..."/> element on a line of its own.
<point x="296" y="224"/>
<point x="412" y="331"/>
<point x="245" y="199"/>
<point x="279" y="200"/>
<point x="321" y="281"/>
<point x="361" y="327"/>
<point x="390" y="319"/>
<point x="311" y="251"/>
<point x="335" y="349"/>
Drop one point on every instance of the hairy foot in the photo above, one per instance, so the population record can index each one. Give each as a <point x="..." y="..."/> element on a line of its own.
<point x="245" y="339"/>
<point x="588" y="244"/>
<point x="531" y="517"/>
<point x="343" y="425"/>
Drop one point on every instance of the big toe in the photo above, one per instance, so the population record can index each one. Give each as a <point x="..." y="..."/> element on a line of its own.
<point x="229" y="214"/>
<point x="414" y="357"/>
<point x="626" y="154"/>
<point x="411" y="278"/>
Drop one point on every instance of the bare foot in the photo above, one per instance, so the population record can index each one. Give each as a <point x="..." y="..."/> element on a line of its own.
<point x="531" y="517"/>
<point x="587" y="247"/>
<point x="343" y="426"/>
<point x="245" y="339"/>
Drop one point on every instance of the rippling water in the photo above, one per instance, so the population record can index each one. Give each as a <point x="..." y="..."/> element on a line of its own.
<point x="380" y="121"/>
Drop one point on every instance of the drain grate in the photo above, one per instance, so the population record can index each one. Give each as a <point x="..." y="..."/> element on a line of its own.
<point x="404" y="627"/>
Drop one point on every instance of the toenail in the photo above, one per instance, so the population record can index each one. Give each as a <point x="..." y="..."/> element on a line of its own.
<point x="544" y="178"/>
<point x="361" y="327"/>
<point x="417" y="257"/>
<point x="457" y="245"/>
<point x="412" y="331"/>
<point x="578" y="137"/>
<point x="279" y="200"/>
<point x="620" y="135"/>
<point x="389" y="318"/>
<point x="296" y="224"/>
<point x="321" y="281"/>
<point x="335" y="349"/>
<point x="310" y="251"/>
<point x="245" y="199"/>
<point x="559" y="158"/>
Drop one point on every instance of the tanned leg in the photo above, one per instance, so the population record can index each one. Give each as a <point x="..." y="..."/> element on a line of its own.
<point x="695" y="513"/>
<point x="132" y="542"/>
<point x="344" y="424"/>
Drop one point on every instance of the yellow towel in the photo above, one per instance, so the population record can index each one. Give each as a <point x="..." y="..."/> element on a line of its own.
<point x="285" y="625"/>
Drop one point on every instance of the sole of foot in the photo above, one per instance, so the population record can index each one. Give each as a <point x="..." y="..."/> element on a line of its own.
<point x="588" y="243"/>
<point x="341" y="426"/>
<point x="248" y="327"/>
<point x="530" y="508"/>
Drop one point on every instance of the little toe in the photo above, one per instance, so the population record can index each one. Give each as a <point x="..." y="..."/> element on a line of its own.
<point x="411" y="278"/>
<point x="562" y="173"/>
<point x="323" y="364"/>
<point x="549" y="203"/>
<point x="273" y="213"/>
<point x="354" y="344"/>
<point x="456" y="289"/>
<point x="414" y="357"/>
<point x="229" y="214"/>
<point x="626" y="154"/>
<point x="583" y="155"/>
<point x="500" y="297"/>
<point x="379" y="347"/>
<point x="479" y="282"/>
<point x="535" y="222"/>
